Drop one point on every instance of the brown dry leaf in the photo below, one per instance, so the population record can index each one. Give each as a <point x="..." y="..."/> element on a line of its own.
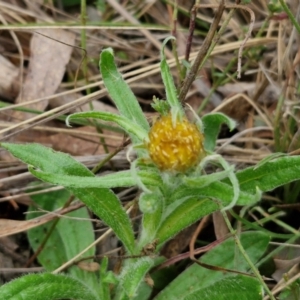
<point x="269" y="95"/>
<point x="68" y="98"/>
<point x="237" y="112"/>
<point x="283" y="266"/>
<point x="149" y="281"/>
<point x="220" y="226"/>
<point x="8" y="78"/>
<point x="285" y="261"/>
<point x="236" y="88"/>
<point x="9" y="227"/>
<point x="89" y="266"/>
<point x="47" y="66"/>
<point x="6" y="262"/>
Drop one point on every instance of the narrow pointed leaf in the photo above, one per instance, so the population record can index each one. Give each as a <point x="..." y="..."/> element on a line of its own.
<point x="136" y="132"/>
<point x="120" y="179"/>
<point x="119" y="90"/>
<point x="168" y="81"/>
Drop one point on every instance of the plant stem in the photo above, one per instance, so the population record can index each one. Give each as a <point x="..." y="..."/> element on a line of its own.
<point x="244" y="253"/>
<point x="217" y="36"/>
<point x="290" y="14"/>
<point x="277" y="119"/>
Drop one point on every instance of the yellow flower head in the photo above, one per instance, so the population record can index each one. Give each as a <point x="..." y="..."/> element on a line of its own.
<point x="175" y="146"/>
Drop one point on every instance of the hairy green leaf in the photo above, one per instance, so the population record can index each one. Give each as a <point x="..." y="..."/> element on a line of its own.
<point x="46" y="287"/>
<point x="270" y="175"/>
<point x="133" y="274"/>
<point x="120" y="179"/>
<point x="234" y="288"/>
<point x="135" y="131"/>
<point x="186" y="213"/>
<point x="119" y="90"/>
<point x="171" y="93"/>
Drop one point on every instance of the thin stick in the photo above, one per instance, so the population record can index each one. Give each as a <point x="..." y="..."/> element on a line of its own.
<point x="209" y="43"/>
<point x="191" y="33"/>
<point x="194" y="237"/>
<point x="202" y="52"/>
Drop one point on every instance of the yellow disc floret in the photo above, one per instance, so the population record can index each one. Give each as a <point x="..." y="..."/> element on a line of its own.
<point x="175" y="146"/>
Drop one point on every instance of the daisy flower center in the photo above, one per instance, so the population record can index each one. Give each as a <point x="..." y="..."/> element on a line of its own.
<point x="175" y="147"/>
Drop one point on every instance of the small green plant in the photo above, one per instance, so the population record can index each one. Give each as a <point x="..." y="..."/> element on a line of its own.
<point x="176" y="192"/>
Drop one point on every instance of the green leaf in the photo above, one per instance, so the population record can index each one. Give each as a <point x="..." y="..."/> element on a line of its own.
<point x="119" y="179"/>
<point x="45" y="158"/>
<point x="216" y="190"/>
<point x="212" y="123"/>
<point x="46" y="287"/>
<point x="135" y="131"/>
<point x="106" y="278"/>
<point x="151" y="219"/>
<point x="144" y="292"/>
<point x="188" y="203"/>
<point x="103" y="202"/>
<point x="119" y="91"/>
<point x="186" y="213"/>
<point x="233" y="288"/>
<point x="270" y="157"/>
<point x="133" y="274"/>
<point x="169" y="85"/>
<point x="106" y="205"/>
<point x="68" y="238"/>
<point x="197" y="280"/>
<point x="204" y="180"/>
<point x="161" y="106"/>
<point x="270" y="175"/>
